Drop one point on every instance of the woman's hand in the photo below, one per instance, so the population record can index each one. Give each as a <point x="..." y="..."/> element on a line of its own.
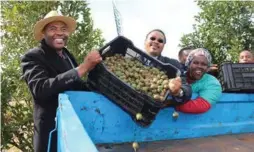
<point x="175" y="86"/>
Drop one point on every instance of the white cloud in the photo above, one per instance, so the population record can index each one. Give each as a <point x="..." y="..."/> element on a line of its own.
<point x="174" y="17"/>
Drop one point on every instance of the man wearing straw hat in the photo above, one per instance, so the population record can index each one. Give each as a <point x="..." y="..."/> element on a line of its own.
<point x="51" y="69"/>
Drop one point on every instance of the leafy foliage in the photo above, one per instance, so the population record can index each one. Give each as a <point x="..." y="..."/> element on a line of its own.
<point x="223" y="27"/>
<point x="17" y="21"/>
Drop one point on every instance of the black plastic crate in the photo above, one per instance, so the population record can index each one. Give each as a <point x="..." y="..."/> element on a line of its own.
<point x="131" y="101"/>
<point x="237" y="77"/>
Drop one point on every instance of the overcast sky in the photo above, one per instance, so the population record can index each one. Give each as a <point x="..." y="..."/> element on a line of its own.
<point x="174" y="17"/>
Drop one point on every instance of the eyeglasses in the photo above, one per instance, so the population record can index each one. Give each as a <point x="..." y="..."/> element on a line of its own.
<point x="158" y="40"/>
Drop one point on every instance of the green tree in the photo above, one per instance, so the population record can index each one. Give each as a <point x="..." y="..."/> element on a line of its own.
<point x="17" y="21"/>
<point x="223" y="27"/>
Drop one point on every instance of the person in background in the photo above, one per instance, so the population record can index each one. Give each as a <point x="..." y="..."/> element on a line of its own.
<point x="246" y="57"/>
<point x="50" y="69"/>
<point x="182" y="56"/>
<point x="205" y="85"/>
<point x="154" y="44"/>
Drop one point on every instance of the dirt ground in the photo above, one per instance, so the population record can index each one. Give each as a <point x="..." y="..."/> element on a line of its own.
<point x="226" y="143"/>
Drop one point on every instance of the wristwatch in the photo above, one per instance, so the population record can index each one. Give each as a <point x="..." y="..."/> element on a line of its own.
<point x="181" y="93"/>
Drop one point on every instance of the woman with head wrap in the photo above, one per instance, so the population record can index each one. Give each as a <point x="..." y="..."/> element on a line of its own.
<point x="205" y="85"/>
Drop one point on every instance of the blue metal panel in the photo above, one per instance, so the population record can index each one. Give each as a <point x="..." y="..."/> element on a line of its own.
<point x="107" y="123"/>
<point x="72" y="137"/>
<point x="236" y="98"/>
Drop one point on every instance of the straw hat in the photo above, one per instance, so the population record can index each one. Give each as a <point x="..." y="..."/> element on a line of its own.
<point x="51" y="17"/>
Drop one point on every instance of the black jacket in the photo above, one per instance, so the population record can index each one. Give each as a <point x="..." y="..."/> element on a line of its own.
<point x="171" y="61"/>
<point x="47" y="75"/>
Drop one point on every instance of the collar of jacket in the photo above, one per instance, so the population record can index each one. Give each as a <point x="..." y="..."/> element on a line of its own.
<point x="161" y="58"/>
<point x="54" y="59"/>
<point x="49" y="50"/>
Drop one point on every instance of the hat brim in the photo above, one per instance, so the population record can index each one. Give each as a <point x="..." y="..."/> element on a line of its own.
<point x="39" y="26"/>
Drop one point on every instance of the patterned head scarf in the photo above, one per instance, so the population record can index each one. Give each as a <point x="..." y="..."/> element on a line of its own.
<point x="198" y="52"/>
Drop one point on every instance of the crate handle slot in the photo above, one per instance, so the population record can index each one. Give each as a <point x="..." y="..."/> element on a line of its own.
<point x="103" y="48"/>
<point x="108" y="44"/>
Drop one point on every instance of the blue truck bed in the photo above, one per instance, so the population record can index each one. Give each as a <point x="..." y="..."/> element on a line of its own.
<point x="86" y="119"/>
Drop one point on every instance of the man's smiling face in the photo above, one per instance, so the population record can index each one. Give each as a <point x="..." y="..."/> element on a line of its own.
<point x="56" y="35"/>
<point x="154" y="43"/>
